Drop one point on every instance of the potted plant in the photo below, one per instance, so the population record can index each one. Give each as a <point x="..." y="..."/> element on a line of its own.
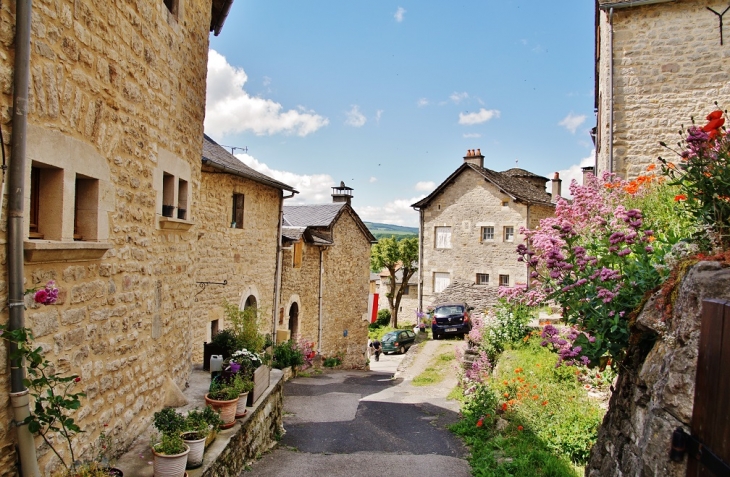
<point x="224" y="343"/>
<point x="223" y="397"/>
<point x="167" y="210"/>
<point x="181" y="213"/>
<point x="244" y="386"/>
<point x="213" y="418"/>
<point x="170" y="452"/>
<point x="195" y="432"/>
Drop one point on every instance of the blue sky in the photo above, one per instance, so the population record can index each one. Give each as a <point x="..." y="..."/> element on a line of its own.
<point x="389" y="96"/>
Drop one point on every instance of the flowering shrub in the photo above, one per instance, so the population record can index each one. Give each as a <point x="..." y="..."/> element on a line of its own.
<point x="308" y="353"/>
<point x="245" y="361"/>
<point x="563" y="341"/>
<point x="508" y="327"/>
<point x="703" y="175"/>
<point x="596" y="259"/>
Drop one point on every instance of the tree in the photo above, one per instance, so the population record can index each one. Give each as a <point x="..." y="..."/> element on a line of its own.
<point x="395" y="255"/>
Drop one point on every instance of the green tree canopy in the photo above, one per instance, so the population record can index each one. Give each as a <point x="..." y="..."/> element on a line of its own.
<point x="394" y="255"/>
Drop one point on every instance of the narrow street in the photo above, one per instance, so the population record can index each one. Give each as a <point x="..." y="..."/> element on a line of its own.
<point x="359" y="423"/>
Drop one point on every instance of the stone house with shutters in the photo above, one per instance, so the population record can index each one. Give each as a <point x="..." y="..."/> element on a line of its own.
<point x="237" y="242"/>
<point x="326" y="277"/>
<point x="658" y="63"/>
<point x="103" y="196"/>
<point x="469" y="227"/>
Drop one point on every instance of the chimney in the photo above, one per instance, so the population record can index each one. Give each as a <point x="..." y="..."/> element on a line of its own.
<point x="586" y="171"/>
<point x="557" y="181"/>
<point x="474" y="157"/>
<point x="342" y="193"/>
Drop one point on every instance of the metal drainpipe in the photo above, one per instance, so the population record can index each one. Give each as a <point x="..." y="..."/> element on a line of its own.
<point x="610" y="79"/>
<point x="16" y="193"/>
<point x="420" y="260"/>
<point x="279" y="265"/>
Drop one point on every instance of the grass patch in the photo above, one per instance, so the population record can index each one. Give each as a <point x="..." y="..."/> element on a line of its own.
<point x="436" y="372"/>
<point x="551" y="423"/>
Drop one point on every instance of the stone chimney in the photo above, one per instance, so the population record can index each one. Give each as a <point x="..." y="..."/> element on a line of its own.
<point x="557" y="182"/>
<point x="474" y="156"/>
<point x="342" y="193"/>
<point x="586" y="171"/>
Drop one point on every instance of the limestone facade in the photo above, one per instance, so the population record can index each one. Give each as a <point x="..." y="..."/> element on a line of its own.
<point x="470" y="229"/>
<point x="115" y="112"/>
<point x="335" y="263"/>
<point x="668" y="66"/>
<point x="408" y="302"/>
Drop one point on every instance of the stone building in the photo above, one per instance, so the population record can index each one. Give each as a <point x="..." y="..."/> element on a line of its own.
<point x="658" y="63"/>
<point x="325" y="277"/>
<point x="238" y="238"/>
<point x="469" y="226"/>
<point x="408" y="302"/>
<point x="111" y="177"/>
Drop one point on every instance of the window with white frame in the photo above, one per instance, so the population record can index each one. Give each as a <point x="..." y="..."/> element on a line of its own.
<point x="482" y="279"/>
<point x="487" y="233"/>
<point x="440" y="281"/>
<point x="509" y="234"/>
<point x="443" y="237"/>
<point x="504" y="280"/>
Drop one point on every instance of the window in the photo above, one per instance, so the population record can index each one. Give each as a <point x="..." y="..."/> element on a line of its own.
<point x="237" y="217"/>
<point x="35" y="199"/>
<point x="443" y="237"/>
<point x="487" y="233"/>
<point x="440" y="281"/>
<point x="505" y="203"/>
<point x="406" y="290"/>
<point x="297" y="262"/>
<point x="182" y="199"/>
<point x="171" y="6"/>
<point x="86" y="210"/>
<point x="168" y="194"/>
<point x="482" y="279"/>
<point x="46" y="202"/>
<point x="504" y="280"/>
<point x="509" y="234"/>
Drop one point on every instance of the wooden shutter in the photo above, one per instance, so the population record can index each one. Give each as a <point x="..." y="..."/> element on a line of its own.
<point x="238" y="210"/>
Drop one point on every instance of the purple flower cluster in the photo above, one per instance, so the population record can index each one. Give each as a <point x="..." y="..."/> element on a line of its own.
<point x="562" y="340"/>
<point x="47" y="295"/>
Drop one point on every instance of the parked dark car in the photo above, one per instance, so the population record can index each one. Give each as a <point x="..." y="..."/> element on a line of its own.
<point x="451" y="319"/>
<point x="398" y="341"/>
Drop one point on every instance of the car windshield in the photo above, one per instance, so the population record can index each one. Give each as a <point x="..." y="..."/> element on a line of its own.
<point x="449" y="310"/>
<point x="388" y="337"/>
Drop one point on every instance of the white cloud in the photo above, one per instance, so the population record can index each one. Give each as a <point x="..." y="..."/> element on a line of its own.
<point x="373" y="179"/>
<point x="425" y="185"/>
<point x="230" y="109"/>
<point x="471" y="135"/>
<point x="482" y="116"/>
<point x="572" y="122"/>
<point x="399" y="14"/>
<point x="397" y="212"/>
<point x="267" y="81"/>
<point x="422" y="102"/>
<point x="458" y="97"/>
<point x="313" y="188"/>
<point x="574" y="172"/>
<point x="378" y="115"/>
<point x="355" y="118"/>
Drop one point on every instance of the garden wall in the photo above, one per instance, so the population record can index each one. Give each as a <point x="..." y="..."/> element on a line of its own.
<point x="655" y="391"/>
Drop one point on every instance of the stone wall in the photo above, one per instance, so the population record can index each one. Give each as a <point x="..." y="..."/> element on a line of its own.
<point x="122" y="86"/>
<point x="668" y="66"/>
<point x="655" y="393"/>
<point x="301" y="286"/>
<point x="481" y="297"/>
<point x="345" y="293"/>
<point x="245" y="257"/>
<point x="467" y="205"/>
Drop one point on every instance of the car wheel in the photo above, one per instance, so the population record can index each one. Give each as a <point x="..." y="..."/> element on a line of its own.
<point x="402" y="350"/>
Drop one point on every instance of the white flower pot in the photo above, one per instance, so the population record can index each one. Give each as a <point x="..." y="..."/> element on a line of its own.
<point x="241" y="406"/>
<point x="195" y="456"/>
<point x="170" y="465"/>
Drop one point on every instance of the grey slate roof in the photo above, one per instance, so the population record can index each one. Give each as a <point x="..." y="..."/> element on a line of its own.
<point x="517" y="172"/>
<point x="517" y="188"/>
<point x="216" y="156"/>
<point x="292" y="233"/>
<point x="628" y="3"/>
<point x="321" y="215"/>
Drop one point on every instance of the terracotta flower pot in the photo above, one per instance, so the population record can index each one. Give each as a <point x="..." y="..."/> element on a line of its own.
<point x="241" y="405"/>
<point x="226" y="408"/>
<point x="197" y="448"/>
<point x="170" y="465"/>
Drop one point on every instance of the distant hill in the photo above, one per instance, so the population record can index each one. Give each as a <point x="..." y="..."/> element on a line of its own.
<point x="386" y="230"/>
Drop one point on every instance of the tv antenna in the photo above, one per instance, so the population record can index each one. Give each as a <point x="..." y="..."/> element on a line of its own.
<point x="233" y="148"/>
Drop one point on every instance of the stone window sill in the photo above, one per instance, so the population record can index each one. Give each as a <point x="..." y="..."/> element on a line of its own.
<point x="56" y="251"/>
<point x="169" y="223"/>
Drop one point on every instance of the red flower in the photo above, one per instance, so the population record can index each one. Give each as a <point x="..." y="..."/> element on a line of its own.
<point x="714" y="124"/>
<point x="480" y="422"/>
<point x="714" y="115"/>
<point x="78" y="378"/>
<point x="520" y="428"/>
<point x="679" y="197"/>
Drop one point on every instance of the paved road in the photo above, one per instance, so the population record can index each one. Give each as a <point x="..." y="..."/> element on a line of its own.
<point x="355" y="423"/>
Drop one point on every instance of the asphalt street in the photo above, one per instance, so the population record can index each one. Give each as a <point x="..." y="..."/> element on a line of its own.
<point x="366" y="423"/>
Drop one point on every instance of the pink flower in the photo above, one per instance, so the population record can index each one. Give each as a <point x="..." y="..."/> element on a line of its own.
<point x="41" y="296"/>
